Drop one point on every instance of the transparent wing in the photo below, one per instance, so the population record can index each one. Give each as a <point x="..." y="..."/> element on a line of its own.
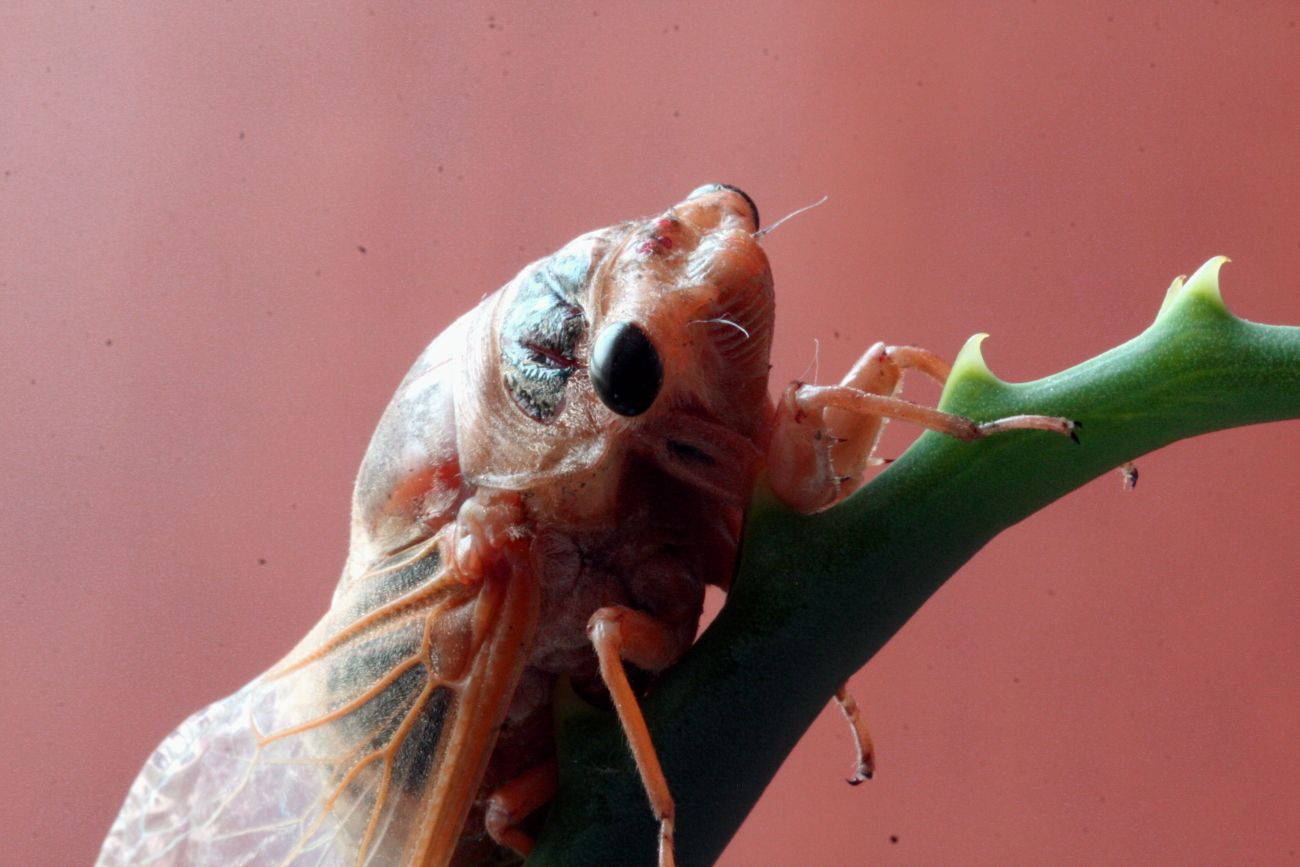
<point x="211" y="794"/>
<point x="365" y="746"/>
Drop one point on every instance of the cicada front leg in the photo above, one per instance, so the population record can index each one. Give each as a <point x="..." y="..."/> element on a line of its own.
<point x="824" y="436"/>
<point x="824" y="439"/>
<point x="618" y="633"/>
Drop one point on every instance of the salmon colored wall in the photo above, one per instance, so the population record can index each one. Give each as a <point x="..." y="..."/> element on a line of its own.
<point x="227" y="229"/>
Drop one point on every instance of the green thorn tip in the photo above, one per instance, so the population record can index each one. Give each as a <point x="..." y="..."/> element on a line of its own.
<point x="970" y="367"/>
<point x="1203" y="286"/>
<point x="1171" y="294"/>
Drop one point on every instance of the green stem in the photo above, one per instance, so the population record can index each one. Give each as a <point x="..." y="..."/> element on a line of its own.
<point x="816" y="596"/>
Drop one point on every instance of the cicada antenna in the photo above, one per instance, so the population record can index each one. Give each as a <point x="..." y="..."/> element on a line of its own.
<point x="761" y="232"/>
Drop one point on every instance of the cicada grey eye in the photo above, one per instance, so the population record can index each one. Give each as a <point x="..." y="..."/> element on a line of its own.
<point x="540" y="334"/>
<point x="625" y="369"/>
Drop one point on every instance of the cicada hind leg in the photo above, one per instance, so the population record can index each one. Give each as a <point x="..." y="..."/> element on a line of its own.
<point x="824" y="440"/>
<point x="617" y="634"/>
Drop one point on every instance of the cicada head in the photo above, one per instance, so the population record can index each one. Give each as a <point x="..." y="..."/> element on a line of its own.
<point x="688" y="296"/>
<point x="651" y="335"/>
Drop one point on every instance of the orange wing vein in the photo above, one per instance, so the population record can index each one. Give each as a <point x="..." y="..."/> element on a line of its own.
<point x="366" y="745"/>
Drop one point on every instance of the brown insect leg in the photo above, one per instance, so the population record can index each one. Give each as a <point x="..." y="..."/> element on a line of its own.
<point x="516" y="800"/>
<point x="619" y="633"/>
<point x="823" y="436"/>
<point x="854" y="435"/>
<point x="818" y="457"/>
<point x="865" y="763"/>
<point x="812" y="398"/>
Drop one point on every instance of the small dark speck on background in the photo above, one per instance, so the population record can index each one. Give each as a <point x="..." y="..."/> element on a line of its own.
<point x="362" y="248"/>
<point x="241" y="135"/>
<point x="108" y="342"/>
<point x="261" y="561"/>
<point x="893" y="838"/>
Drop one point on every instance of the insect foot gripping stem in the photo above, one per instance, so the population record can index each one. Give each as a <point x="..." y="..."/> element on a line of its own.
<point x="619" y="633"/>
<point x="824" y="436"/>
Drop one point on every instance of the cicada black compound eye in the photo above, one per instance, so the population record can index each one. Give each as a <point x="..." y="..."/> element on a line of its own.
<point x="625" y="369"/>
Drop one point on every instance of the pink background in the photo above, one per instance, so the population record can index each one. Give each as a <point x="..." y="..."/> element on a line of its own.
<point x="227" y="229"/>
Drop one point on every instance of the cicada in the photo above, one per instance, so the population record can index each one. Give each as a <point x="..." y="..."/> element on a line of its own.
<point x="555" y="482"/>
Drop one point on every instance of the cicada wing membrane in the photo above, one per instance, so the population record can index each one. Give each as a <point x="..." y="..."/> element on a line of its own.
<point x="365" y="746"/>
